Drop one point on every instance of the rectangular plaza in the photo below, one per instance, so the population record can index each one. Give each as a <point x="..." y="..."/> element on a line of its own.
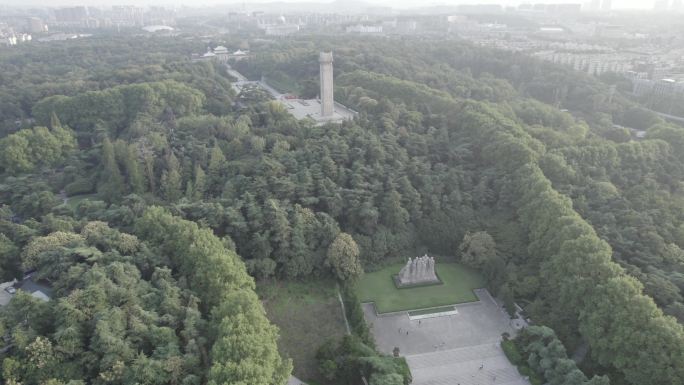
<point x="461" y="348"/>
<point x="311" y="108"/>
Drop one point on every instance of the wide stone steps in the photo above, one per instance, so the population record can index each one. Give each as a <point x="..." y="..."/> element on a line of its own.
<point x="453" y="356"/>
<point x="462" y="367"/>
<point x="498" y="377"/>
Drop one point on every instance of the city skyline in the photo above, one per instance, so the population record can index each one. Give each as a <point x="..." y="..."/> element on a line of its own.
<point x="616" y="4"/>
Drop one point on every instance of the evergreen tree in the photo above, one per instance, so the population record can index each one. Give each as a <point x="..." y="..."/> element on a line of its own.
<point x="394" y="215"/>
<point x="280" y="231"/>
<point x="171" y="179"/>
<point x="132" y="166"/>
<point x="300" y="262"/>
<point x="217" y="164"/>
<point x="200" y="183"/>
<point x="111" y="186"/>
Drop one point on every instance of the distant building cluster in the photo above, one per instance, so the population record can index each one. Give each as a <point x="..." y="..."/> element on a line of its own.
<point x="668" y="5"/>
<point x="364" y="29"/>
<point x="78" y="16"/>
<point x="594" y="45"/>
<point x="10" y="37"/>
<point x="375" y="21"/>
<point x="273" y="25"/>
<point x="222" y="54"/>
<point x="593" y="64"/>
<point x="600" y="5"/>
<point x="281" y="29"/>
<point x="567" y="8"/>
<point x="115" y="16"/>
<point x="82" y="17"/>
<point x="662" y="88"/>
<point x="63" y="23"/>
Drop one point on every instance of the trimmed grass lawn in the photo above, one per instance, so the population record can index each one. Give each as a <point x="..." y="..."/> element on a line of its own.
<point x="458" y="284"/>
<point x="307" y="313"/>
<point x="284" y="85"/>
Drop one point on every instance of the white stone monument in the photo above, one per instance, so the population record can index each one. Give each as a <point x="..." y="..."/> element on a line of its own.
<point x="418" y="271"/>
<point x="325" y="59"/>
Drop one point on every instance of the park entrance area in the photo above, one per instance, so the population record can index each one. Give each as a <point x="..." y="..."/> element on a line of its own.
<point x="457" y="285"/>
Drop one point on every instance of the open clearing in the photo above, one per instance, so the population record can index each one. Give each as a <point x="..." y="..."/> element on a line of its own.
<point x="458" y="284"/>
<point x="307" y="313"/>
<point x="73" y="201"/>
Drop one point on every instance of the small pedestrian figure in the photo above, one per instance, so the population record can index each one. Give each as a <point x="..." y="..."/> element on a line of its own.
<point x="418" y="322"/>
<point x="399" y="330"/>
<point x="407" y="332"/>
<point x="482" y="366"/>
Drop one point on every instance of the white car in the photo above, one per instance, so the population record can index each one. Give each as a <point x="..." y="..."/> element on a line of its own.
<point x="10" y="289"/>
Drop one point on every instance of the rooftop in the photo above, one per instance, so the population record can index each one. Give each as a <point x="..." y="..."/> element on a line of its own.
<point x="36" y="289"/>
<point x="157" y="28"/>
<point x="220" y="49"/>
<point x="5" y="296"/>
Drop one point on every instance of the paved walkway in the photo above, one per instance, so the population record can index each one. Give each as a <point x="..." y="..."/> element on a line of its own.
<point x="450" y="350"/>
<point x="295" y="381"/>
<point x="236" y="74"/>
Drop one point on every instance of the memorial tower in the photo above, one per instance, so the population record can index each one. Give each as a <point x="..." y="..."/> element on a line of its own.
<point x="325" y="59"/>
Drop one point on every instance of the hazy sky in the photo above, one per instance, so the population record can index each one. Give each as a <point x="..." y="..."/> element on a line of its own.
<point x="394" y="3"/>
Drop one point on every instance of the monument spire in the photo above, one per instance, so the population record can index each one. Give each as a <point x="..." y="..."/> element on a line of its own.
<point x="325" y="59"/>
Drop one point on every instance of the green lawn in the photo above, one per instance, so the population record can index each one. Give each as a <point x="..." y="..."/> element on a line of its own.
<point x="72" y="202"/>
<point x="307" y="313"/>
<point x="285" y="85"/>
<point x="458" y="284"/>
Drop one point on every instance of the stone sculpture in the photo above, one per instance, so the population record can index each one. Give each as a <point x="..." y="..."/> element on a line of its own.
<point x="418" y="271"/>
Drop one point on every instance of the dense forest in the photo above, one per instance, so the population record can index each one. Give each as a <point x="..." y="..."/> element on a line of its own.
<point x="150" y="201"/>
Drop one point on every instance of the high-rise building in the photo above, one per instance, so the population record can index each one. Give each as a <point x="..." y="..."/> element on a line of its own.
<point x="71" y="15"/>
<point x="661" y="5"/>
<point x="325" y="59"/>
<point x="606" y="5"/>
<point x="127" y="15"/>
<point x="35" y="25"/>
